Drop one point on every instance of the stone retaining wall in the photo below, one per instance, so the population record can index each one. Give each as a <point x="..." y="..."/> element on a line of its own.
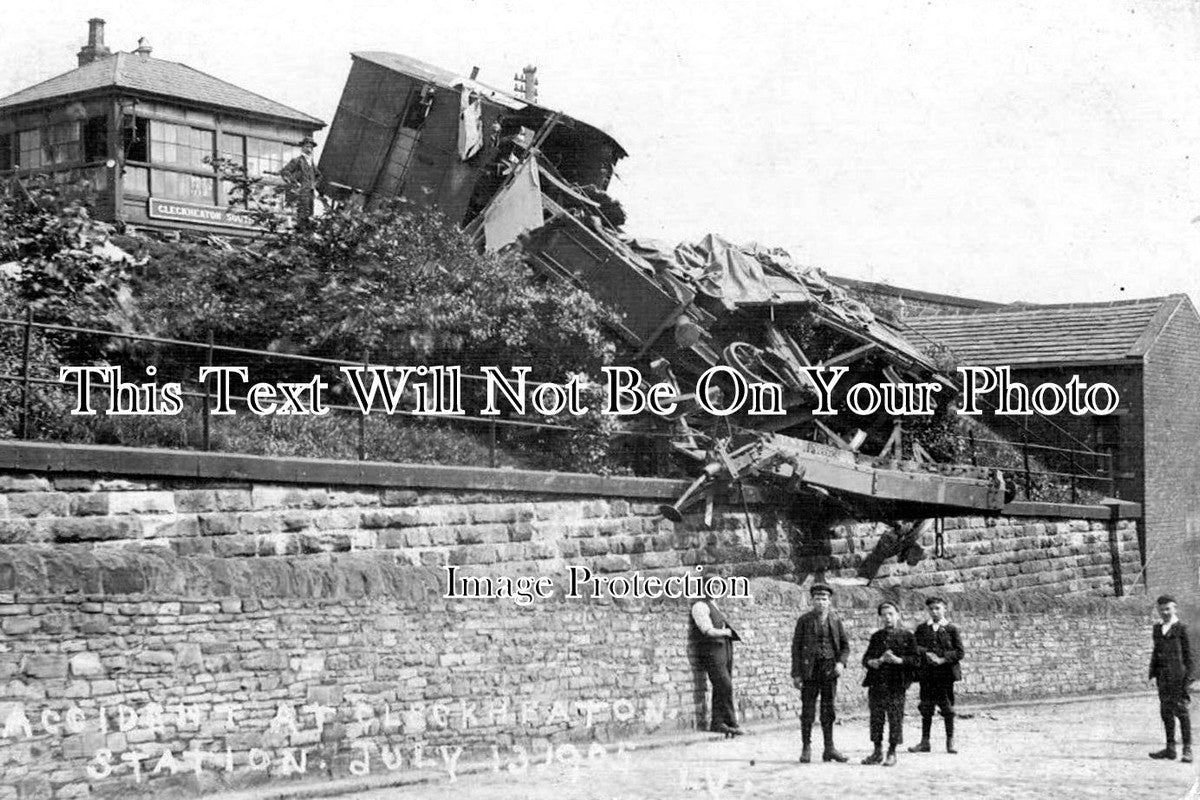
<point x="163" y="634"/>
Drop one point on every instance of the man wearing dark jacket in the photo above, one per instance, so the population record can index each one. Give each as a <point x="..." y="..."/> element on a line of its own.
<point x="890" y="658"/>
<point x="939" y="649"/>
<point x="1171" y="666"/>
<point x="301" y="179"/>
<point x="820" y="649"/>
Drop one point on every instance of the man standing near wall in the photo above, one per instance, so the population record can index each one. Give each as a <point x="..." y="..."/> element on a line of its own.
<point x="940" y="650"/>
<point x="712" y="639"/>
<point x="820" y="650"/>
<point x="890" y="657"/>
<point x="1171" y="666"/>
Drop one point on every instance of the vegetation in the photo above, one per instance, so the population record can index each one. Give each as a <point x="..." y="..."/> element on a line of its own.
<point x="393" y="284"/>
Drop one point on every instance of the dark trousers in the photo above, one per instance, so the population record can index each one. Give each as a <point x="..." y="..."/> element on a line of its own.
<point x="718" y="665"/>
<point x="823" y="685"/>
<point x="885" y="702"/>
<point x="936" y="694"/>
<point x="1173" y="703"/>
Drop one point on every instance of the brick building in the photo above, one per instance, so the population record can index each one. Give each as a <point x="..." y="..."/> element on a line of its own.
<point x="136" y="130"/>
<point x="1148" y="349"/>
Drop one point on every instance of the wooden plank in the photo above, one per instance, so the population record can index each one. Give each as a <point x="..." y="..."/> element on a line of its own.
<point x="133" y="462"/>
<point x="1026" y="508"/>
<point x="851" y="356"/>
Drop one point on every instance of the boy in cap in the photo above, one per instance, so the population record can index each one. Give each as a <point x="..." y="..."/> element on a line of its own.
<point x="1171" y="667"/>
<point x="820" y="650"/>
<point x="890" y="657"/>
<point x="939" y="649"/>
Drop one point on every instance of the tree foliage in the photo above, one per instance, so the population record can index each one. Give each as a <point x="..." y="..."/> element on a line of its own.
<point x="54" y="254"/>
<point x="397" y="282"/>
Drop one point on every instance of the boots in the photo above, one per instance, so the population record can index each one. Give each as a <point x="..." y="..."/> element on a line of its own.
<point x="806" y="753"/>
<point x="1168" y="752"/>
<point x="950" y="735"/>
<point x="831" y="753"/>
<point x="1186" y="756"/>
<point x="923" y="745"/>
<point x="890" y="761"/>
<point x="876" y="756"/>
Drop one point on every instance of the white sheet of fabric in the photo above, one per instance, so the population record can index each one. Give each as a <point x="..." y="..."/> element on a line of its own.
<point x="515" y="208"/>
<point x="470" y="124"/>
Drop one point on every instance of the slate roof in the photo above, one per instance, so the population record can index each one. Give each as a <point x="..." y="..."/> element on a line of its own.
<point x="1077" y="333"/>
<point x="136" y="73"/>
<point x="915" y="294"/>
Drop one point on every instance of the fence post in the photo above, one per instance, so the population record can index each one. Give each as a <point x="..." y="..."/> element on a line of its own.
<point x="362" y="418"/>
<point x="1074" y="480"/>
<point x="1114" y="548"/>
<point x="1028" y="477"/>
<point x="492" y="442"/>
<point x="971" y="438"/>
<point x="25" y="351"/>
<point x="204" y="412"/>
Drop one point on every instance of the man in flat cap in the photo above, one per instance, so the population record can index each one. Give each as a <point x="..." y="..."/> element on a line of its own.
<point x="940" y="650"/>
<point x="890" y="658"/>
<point x="300" y="180"/>
<point x="820" y="650"/>
<point x="1171" y="666"/>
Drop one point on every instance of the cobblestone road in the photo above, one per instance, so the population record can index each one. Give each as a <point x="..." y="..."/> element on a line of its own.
<point x="1093" y="749"/>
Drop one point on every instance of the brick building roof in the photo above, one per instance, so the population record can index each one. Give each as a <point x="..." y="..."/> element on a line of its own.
<point x="1076" y="333"/>
<point x="949" y="301"/>
<point x="138" y="73"/>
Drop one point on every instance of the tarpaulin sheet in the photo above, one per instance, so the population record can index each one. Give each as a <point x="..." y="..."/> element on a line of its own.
<point x="515" y="209"/>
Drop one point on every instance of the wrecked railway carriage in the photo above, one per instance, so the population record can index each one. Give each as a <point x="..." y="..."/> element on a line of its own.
<point x="513" y="172"/>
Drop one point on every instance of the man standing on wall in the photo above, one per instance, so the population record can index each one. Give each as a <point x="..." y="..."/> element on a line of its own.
<point x="712" y="638"/>
<point x="890" y="657"/>
<point x="1171" y="666"/>
<point x="820" y="650"/>
<point x="940" y="651"/>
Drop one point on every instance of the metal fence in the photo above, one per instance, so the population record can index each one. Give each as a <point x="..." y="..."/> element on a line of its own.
<point x="208" y="353"/>
<point x="1035" y="464"/>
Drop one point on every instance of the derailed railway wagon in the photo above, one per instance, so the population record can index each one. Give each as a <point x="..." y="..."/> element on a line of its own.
<point x="514" y="173"/>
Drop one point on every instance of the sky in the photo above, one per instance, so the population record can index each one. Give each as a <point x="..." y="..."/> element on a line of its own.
<point x="1034" y="151"/>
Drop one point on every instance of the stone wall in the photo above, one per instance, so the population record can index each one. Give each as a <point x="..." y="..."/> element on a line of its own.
<point x="185" y="622"/>
<point x="539" y="533"/>
<point x="1172" y="502"/>
<point x="227" y="665"/>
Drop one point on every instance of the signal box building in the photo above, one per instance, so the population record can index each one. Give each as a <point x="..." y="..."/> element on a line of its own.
<point x="137" y="131"/>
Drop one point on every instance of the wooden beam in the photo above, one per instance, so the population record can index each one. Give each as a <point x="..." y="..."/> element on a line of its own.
<point x="66" y="459"/>
<point x="851" y="356"/>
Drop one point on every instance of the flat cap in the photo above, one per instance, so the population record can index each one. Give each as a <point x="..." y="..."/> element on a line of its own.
<point x="820" y="587"/>
<point x="1166" y="598"/>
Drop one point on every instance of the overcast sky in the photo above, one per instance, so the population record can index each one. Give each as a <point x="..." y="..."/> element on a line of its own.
<point x="1032" y="151"/>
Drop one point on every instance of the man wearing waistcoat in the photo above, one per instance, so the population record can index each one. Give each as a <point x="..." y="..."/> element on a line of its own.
<point x="940" y="650"/>
<point x="712" y="639"/>
<point x="1171" y="667"/>
<point x="820" y="650"/>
